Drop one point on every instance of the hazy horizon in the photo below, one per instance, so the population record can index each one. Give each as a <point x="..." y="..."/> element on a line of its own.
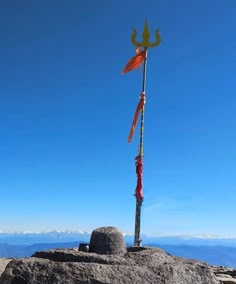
<point x="78" y="231"/>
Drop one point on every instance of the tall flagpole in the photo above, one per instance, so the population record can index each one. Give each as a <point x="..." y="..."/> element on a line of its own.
<point x="132" y="64"/>
<point x="137" y="239"/>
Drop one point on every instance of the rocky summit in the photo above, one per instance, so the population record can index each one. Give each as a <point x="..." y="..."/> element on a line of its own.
<point x="108" y="261"/>
<point x="137" y="265"/>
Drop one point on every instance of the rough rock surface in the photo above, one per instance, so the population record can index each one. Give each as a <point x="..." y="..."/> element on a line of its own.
<point x="3" y="264"/>
<point x="225" y="275"/>
<point x="138" y="265"/>
<point x="107" y="240"/>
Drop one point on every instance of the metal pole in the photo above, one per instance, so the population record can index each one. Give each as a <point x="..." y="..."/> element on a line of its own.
<point x="137" y="240"/>
<point x="142" y="111"/>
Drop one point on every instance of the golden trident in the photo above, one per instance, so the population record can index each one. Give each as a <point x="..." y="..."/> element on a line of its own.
<point x="146" y="37"/>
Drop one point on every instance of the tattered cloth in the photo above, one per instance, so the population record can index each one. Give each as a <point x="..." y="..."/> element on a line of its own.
<point x="135" y="119"/>
<point x="135" y="61"/>
<point x="139" y="172"/>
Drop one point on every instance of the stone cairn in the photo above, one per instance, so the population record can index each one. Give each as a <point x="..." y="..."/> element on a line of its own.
<point x="106" y="240"/>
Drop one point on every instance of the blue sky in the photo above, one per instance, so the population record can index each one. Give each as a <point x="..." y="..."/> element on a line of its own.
<point x="66" y="110"/>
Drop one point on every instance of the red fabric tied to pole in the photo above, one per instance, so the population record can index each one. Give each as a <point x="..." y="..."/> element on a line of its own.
<point x="139" y="172"/>
<point x="135" y="119"/>
<point x="135" y="61"/>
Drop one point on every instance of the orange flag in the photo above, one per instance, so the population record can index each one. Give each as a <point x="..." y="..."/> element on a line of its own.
<point x="135" y="119"/>
<point x="135" y="61"/>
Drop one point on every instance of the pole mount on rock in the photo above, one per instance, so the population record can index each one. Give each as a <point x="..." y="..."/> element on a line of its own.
<point x="135" y="62"/>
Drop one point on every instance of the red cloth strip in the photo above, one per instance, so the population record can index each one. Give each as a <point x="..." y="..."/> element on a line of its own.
<point x="135" y="119"/>
<point x="139" y="172"/>
<point x="135" y="61"/>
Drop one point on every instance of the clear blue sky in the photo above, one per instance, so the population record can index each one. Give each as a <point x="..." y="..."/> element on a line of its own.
<point x="66" y="110"/>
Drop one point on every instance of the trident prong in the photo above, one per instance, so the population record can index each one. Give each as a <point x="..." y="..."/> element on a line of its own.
<point x="146" y="37"/>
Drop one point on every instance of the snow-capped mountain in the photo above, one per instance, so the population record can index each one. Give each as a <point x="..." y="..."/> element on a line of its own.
<point x="56" y="236"/>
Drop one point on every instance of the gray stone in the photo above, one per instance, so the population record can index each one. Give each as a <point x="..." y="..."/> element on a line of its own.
<point x="225" y="275"/>
<point x="3" y="264"/>
<point x="137" y="266"/>
<point x="84" y="247"/>
<point x="107" y="240"/>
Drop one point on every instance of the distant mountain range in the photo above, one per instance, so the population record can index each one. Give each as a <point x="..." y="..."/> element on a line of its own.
<point x="212" y="249"/>
<point x="27" y="238"/>
<point x="56" y="236"/>
<point x="16" y="251"/>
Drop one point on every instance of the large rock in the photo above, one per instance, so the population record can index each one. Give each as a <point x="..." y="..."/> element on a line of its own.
<point x="3" y="264"/>
<point x="138" y="265"/>
<point x="225" y="275"/>
<point x="107" y="240"/>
